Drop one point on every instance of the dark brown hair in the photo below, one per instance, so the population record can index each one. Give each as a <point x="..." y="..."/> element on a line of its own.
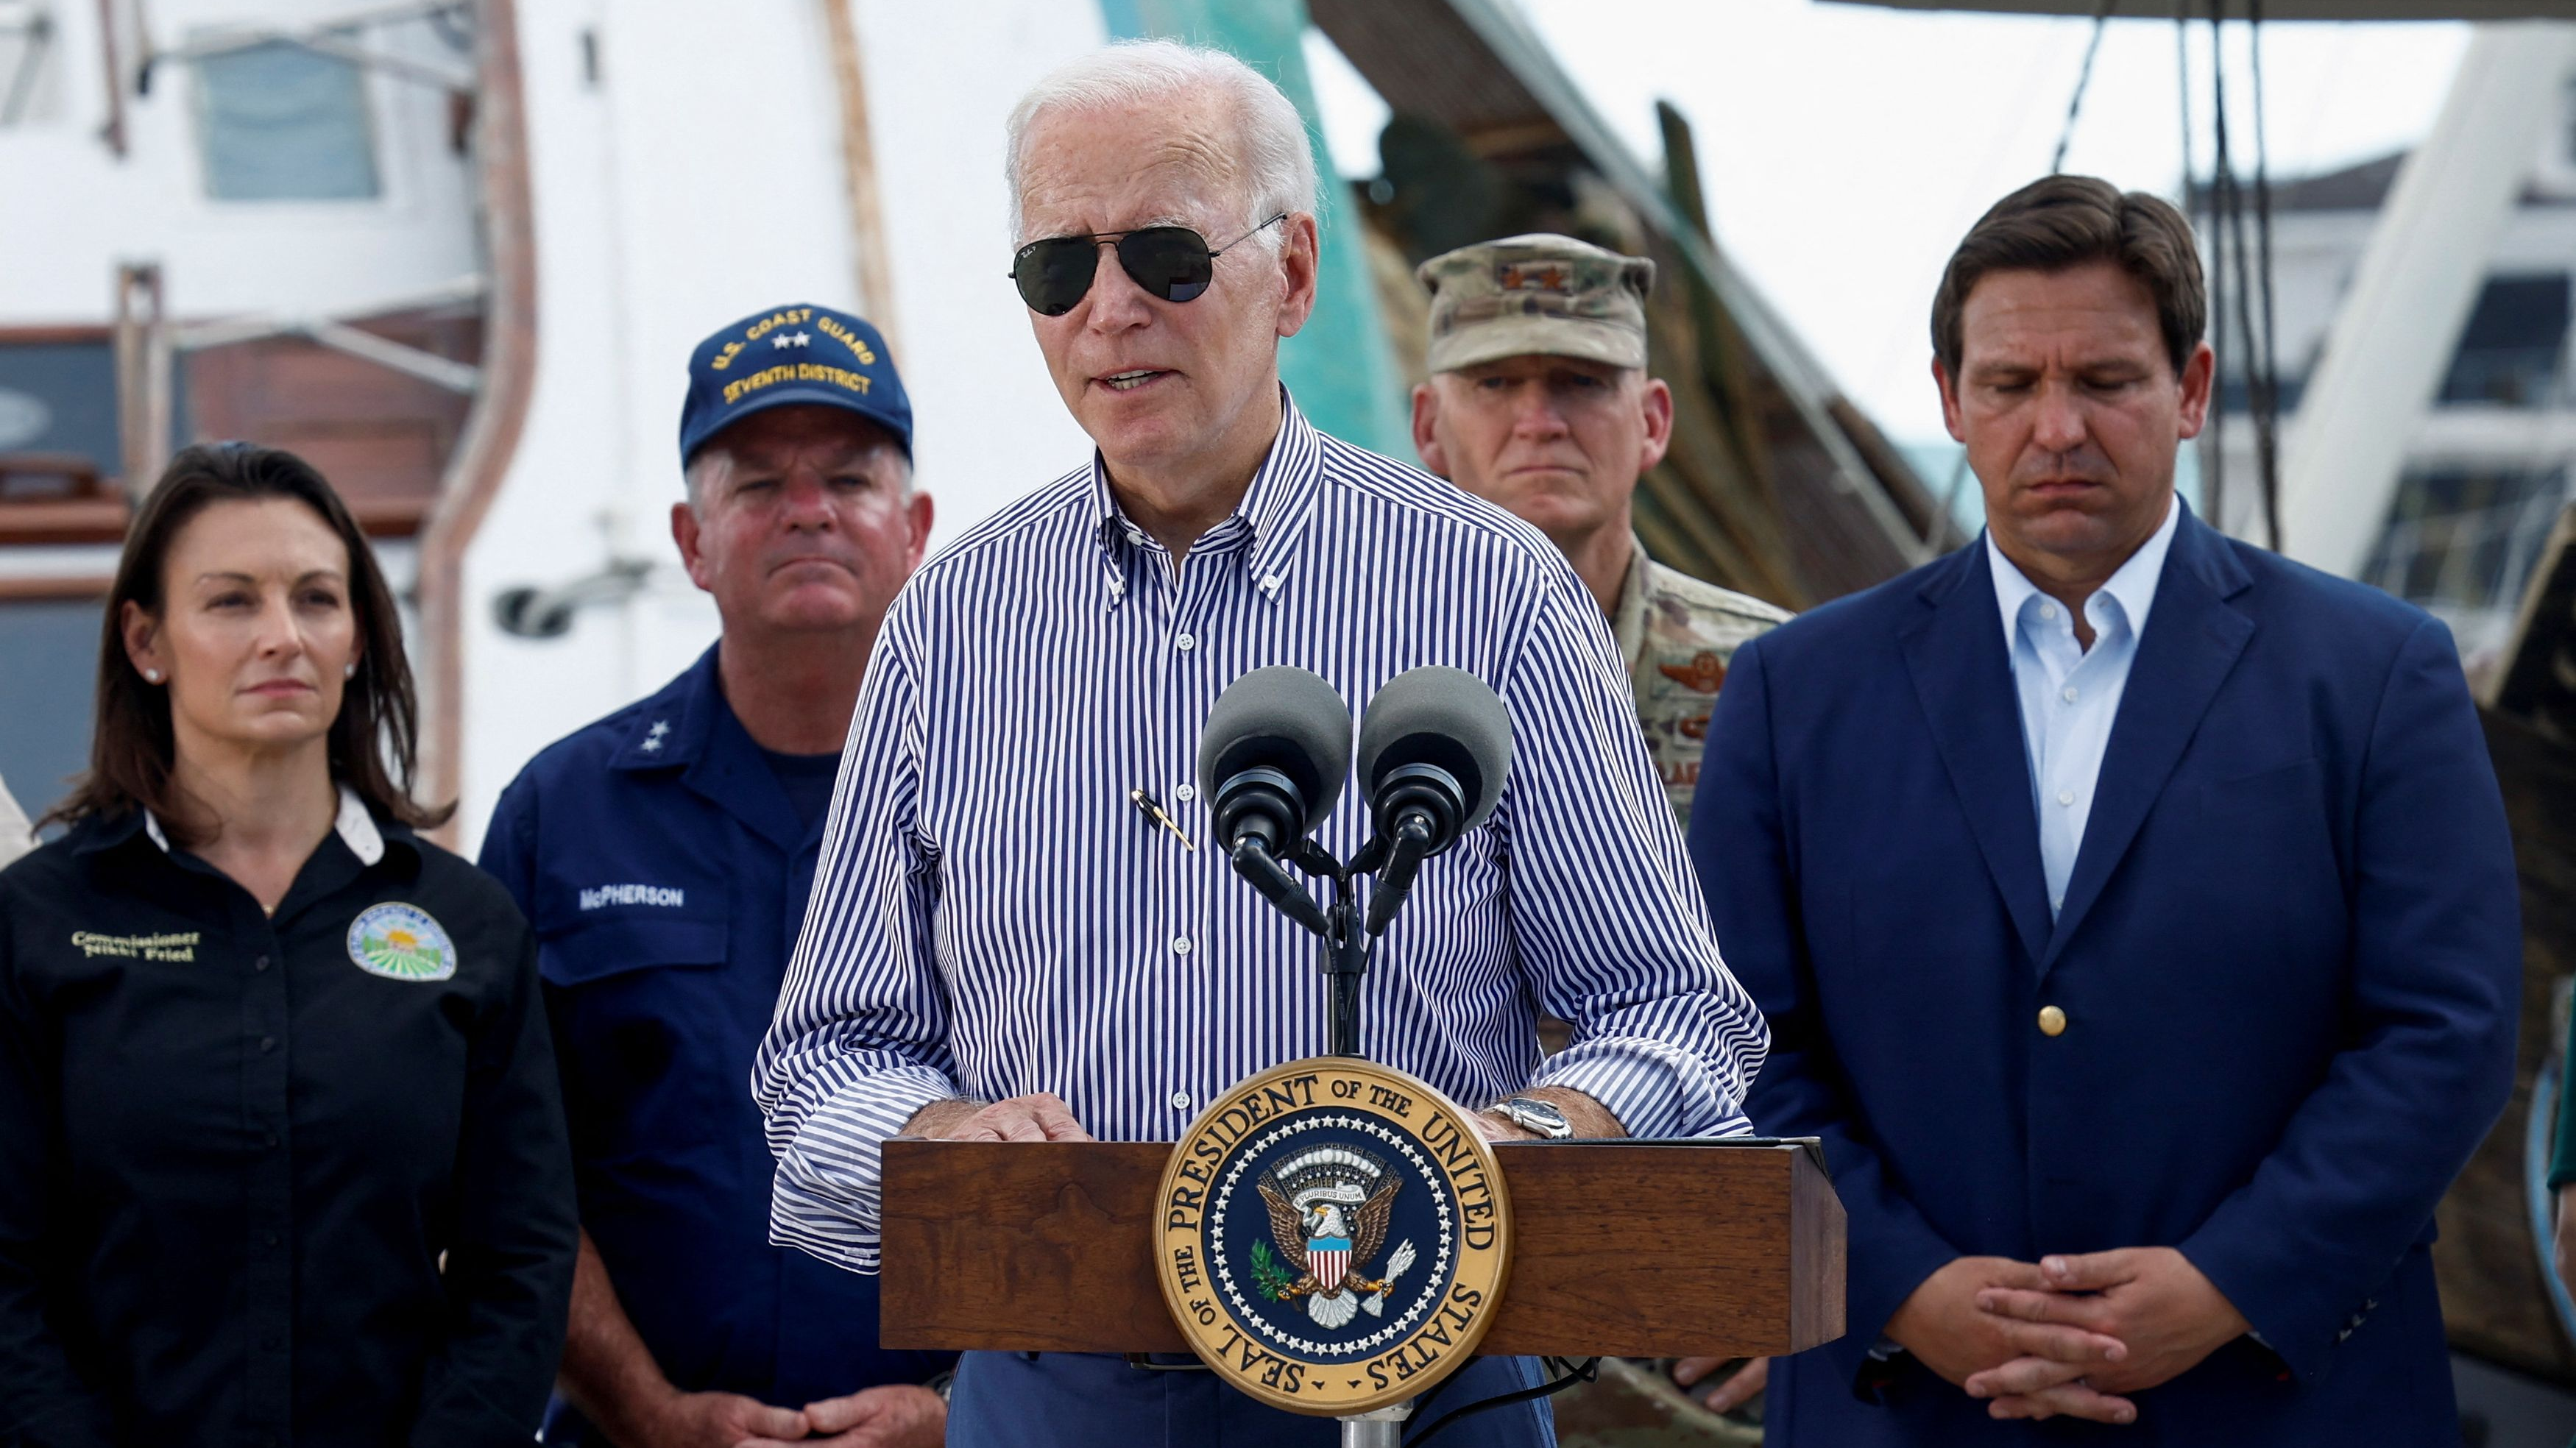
<point x="2060" y="222"/>
<point x="374" y="740"/>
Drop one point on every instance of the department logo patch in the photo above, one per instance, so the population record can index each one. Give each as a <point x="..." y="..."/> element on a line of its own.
<point x="1334" y="1236"/>
<point x="401" y="942"/>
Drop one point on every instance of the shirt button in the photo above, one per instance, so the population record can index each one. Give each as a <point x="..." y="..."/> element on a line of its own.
<point x="1270" y="583"/>
<point x="2052" y="1021"/>
<point x="1185" y="643"/>
<point x="2069" y="694"/>
<point x="1180" y="945"/>
<point x="267" y="1044"/>
<point x="1188" y="792"/>
<point x="270" y="1239"/>
<point x="2048" y="611"/>
<point x="1180" y="1101"/>
<point x="2066" y="796"/>
<point x="260" y="964"/>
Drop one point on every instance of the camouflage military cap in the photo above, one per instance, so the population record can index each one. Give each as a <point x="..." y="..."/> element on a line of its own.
<point x="1544" y="294"/>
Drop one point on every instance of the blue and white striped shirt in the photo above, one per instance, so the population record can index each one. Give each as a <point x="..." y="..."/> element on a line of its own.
<point x="993" y="917"/>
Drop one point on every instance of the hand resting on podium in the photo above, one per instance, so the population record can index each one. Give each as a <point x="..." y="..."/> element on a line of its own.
<point x="1039" y="1117"/>
<point x="1587" y="1116"/>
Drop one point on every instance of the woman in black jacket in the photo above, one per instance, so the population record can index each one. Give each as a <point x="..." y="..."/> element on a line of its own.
<point x="282" y="1154"/>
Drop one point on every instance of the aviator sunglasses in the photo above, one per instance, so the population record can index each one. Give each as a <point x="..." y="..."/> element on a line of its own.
<point x="1171" y="262"/>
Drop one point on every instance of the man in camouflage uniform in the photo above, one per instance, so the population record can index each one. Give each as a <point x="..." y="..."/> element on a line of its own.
<point x="1539" y="400"/>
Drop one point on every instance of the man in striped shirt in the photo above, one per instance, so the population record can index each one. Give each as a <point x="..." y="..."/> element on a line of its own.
<point x="1000" y="946"/>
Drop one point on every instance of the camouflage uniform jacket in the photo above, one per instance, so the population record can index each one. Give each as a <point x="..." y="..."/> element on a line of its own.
<point x="1678" y="636"/>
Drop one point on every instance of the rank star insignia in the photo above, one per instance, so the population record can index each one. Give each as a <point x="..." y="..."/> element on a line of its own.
<point x="785" y="340"/>
<point x="653" y="736"/>
<point x="1523" y="276"/>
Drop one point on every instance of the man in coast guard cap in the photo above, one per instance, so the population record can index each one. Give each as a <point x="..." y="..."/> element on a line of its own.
<point x="664" y="854"/>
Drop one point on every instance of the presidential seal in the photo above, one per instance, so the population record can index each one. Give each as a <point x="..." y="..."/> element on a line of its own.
<point x="1333" y="1236"/>
<point x="401" y="942"/>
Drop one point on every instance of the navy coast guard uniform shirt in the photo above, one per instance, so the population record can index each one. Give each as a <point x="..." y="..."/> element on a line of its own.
<point x="665" y="867"/>
<point x="235" y="1147"/>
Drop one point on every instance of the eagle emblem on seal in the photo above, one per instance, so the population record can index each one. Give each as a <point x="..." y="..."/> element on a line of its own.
<point x="1329" y="1209"/>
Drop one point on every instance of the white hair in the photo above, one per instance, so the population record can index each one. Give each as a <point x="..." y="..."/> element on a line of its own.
<point x="1277" y="159"/>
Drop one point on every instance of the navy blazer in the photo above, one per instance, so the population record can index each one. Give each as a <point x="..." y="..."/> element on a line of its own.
<point x="2289" y="961"/>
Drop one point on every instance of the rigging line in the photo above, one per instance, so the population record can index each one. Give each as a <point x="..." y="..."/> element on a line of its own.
<point x="2083" y="78"/>
<point x="2182" y="82"/>
<point x="2213" y="455"/>
<point x="2250" y="366"/>
<point x="2268" y="420"/>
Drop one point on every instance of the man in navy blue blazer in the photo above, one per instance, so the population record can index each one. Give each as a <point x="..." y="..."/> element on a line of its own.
<point x="2133" y="909"/>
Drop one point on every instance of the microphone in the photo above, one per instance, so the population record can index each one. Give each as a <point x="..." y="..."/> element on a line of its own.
<point x="1271" y="763"/>
<point x="1435" y="748"/>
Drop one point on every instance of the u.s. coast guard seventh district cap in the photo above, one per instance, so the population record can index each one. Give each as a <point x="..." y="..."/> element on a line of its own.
<point x="1541" y="293"/>
<point x="788" y="355"/>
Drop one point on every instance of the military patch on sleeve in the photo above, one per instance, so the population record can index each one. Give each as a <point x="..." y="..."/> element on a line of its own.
<point x="1704" y="673"/>
<point x="401" y="942"/>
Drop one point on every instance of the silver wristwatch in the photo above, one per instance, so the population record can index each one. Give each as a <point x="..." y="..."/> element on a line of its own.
<point x="1533" y="1115"/>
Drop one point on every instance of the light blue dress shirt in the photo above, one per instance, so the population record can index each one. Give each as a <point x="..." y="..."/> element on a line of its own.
<point x="992" y="918"/>
<point x="2070" y="694"/>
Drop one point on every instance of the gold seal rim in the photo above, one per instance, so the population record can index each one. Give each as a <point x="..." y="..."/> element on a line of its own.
<point x="1202" y="1341"/>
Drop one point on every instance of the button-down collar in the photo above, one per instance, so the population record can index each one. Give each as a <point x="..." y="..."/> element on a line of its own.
<point x="2132" y="588"/>
<point x="2069" y="696"/>
<point x="1270" y="518"/>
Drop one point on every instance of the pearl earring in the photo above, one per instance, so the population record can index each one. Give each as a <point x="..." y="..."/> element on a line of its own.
<point x="152" y="676"/>
<point x="349" y="671"/>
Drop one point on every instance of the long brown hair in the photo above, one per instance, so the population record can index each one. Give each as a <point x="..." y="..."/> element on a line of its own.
<point x="373" y="742"/>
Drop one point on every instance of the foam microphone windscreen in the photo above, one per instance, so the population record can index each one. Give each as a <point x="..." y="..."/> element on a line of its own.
<point x="1286" y="719"/>
<point x="1443" y="716"/>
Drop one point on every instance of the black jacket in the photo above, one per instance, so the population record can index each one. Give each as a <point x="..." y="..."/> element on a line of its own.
<point x="289" y="1180"/>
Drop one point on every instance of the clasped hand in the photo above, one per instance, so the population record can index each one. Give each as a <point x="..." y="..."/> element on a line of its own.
<point x="893" y="1416"/>
<point x="2068" y="1334"/>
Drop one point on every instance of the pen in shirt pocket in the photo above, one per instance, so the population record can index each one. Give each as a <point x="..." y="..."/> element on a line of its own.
<point x="1153" y="813"/>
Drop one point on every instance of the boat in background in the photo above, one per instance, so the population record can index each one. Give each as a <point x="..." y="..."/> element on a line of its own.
<point x="456" y="251"/>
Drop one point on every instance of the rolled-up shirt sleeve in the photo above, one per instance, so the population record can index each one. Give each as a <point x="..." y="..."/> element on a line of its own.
<point x="1606" y="914"/>
<point x="859" y="1040"/>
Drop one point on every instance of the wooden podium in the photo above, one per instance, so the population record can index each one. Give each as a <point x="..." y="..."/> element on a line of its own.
<point x="1619" y="1248"/>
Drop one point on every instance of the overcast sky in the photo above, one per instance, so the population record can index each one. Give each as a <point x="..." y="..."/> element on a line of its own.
<point x="1844" y="148"/>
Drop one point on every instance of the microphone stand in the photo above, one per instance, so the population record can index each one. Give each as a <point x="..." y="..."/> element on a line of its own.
<point x="1347" y="945"/>
<point x="1346" y="937"/>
